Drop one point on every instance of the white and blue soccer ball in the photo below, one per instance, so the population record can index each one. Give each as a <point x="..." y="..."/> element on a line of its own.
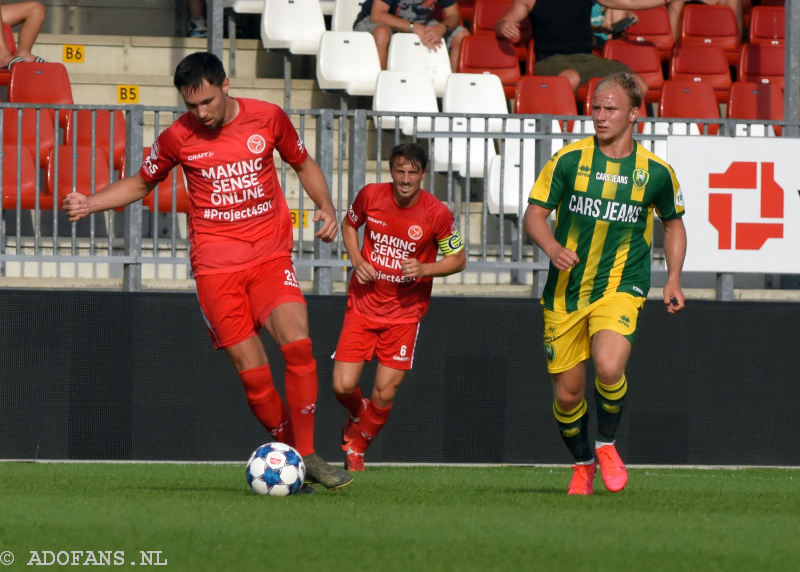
<point x="275" y="469"/>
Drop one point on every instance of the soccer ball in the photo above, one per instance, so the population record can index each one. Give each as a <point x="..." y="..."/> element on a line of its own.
<point x="275" y="469"/>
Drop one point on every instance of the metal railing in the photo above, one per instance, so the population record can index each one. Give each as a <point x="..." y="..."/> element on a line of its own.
<point x="481" y="166"/>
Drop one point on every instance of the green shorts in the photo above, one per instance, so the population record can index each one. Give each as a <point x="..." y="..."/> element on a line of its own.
<point x="587" y="65"/>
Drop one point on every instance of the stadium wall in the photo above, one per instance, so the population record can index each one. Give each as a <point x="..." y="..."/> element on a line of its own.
<point x="133" y="376"/>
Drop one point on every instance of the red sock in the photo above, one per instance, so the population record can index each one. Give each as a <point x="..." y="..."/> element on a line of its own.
<point x="352" y="402"/>
<point x="266" y="403"/>
<point x="301" y="392"/>
<point x="372" y="421"/>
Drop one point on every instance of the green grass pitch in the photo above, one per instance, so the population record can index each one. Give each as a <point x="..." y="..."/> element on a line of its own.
<point x="197" y="517"/>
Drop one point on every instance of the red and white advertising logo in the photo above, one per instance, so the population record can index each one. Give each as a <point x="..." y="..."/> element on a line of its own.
<point x="743" y="177"/>
<point x="741" y="194"/>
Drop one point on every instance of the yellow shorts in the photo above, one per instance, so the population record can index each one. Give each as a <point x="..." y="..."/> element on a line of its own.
<point x="568" y="335"/>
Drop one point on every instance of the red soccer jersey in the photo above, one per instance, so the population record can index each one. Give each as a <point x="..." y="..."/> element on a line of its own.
<point x="239" y="216"/>
<point x="392" y="234"/>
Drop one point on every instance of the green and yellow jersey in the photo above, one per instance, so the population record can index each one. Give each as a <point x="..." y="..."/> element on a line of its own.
<point x="604" y="212"/>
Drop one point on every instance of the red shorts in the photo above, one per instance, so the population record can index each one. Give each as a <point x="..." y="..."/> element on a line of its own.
<point x="235" y="305"/>
<point x="361" y="338"/>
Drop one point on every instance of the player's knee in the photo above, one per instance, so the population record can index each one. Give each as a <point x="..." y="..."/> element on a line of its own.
<point x="608" y="371"/>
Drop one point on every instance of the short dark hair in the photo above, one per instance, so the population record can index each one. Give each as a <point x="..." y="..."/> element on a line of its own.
<point x="414" y="153"/>
<point x="195" y="68"/>
<point x="628" y="84"/>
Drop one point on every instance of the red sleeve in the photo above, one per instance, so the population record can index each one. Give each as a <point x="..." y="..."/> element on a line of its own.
<point x="356" y="213"/>
<point x="163" y="156"/>
<point x="287" y="141"/>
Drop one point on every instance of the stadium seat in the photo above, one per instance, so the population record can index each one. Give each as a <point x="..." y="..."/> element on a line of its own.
<point x="702" y="63"/>
<point x="767" y="25"/>
<point x="486" y="15"/>
<point x="25" y="133"/>
<point x="404" y="91"/>
<point x="66" y="161"/>
<point x="46" y="82"/>
<point x="348" y="61"/>
<point x="344" y="15"/>
<point x="19" y="175"/>
<point x="506" y="192"/>
<point x="762" y="63"/>
<point x="653" y="27"/>
<point x="467" y="9"/>
<point x="407" y="53"/>
<point x="293" y="25"/>
<point x="82" y="123"/>
<point x="469" y="93"/>
<point x="752" y="100"/>
<point x="689" y="99"/>
<point x="643" y="59"/>
<point x="490" y="54"/>
<point x="543" y="94"/>
<point x="711" y="25"/>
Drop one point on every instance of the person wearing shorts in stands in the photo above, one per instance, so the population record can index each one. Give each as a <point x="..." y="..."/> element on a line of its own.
<point x="562" y="32"/>
<point x="240" y="232"/>
<point x="418" y="17"/>
<point x="604" y="190"/>
<point x="390" y="290"/>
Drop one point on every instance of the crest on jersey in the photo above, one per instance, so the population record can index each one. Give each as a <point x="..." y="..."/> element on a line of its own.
<point x="415" y="232"/>
<point x="640" y="178"/>
<point x="256" y="144"/>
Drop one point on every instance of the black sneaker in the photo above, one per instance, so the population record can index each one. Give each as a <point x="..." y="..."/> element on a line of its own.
<point x="318" y="471"/>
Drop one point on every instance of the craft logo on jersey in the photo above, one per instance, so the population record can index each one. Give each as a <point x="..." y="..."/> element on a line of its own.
<point x="415" y="232"/>
<point x="640" y="178"/>
<point x="256" y="144"/>
<point x="744" y="176"/>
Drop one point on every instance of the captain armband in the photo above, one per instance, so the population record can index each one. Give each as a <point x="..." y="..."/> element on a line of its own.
<point x="451" y="244"/>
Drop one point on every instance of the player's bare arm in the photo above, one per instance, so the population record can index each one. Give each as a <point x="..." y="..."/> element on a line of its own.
<point x="118" y="194"/>
<point x="316" y="188"/>
<point x="674" y="253"/>
<point x="380" y="14"/>
<point x="363" y="271"/>
<point x="535" y="225"/>
<point x="508" y="24"/>
<point x="445" y="266"/>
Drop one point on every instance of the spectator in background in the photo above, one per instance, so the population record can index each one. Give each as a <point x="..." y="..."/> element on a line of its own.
<point x="608" y="23"/>
<point x="675" y="9"/>
<point x="30" y="17"/>
<point x="197" y="20"/>
<point x="562" y="32"/>
<point x="382" y="19"/>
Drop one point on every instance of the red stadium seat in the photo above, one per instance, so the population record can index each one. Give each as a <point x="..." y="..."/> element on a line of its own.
<point x="751" y="100"/>
<point x="467" y="9"/>
<point x="543" y="94"/>
<point x="701" y="63"/>
<point x="480" y="54"/>
<point x="19" y="173"/>
<point x="160" y="198"/>
<point x="653" y="27"/>
<point x="79" y="126"/>
<point x="643" y="59"/>
<point x="689" y="99"/>
<point x="767" y="25"/>
<point x="712" y="25"/>
<point x="26" y="132"/>
<point x="762" y="63"/>
<point x="486" y="15"/>
<point x="46" y="82"/>
<point x="63" y="162"/>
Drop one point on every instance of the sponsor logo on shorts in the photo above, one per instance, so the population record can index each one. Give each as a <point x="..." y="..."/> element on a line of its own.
<point x="625" y="321"/>
<point x="401" y="358"/>
<point x="256" y="143"/>
<point x="549" y="352"/>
